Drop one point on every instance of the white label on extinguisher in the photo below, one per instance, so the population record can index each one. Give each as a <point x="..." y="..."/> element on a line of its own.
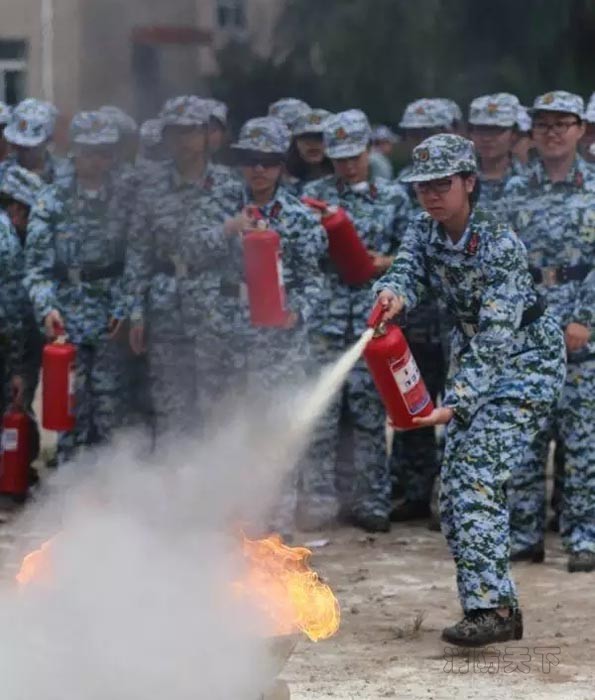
<point x="10" y="440"/>
<point x="71" y="388"/>
<point x="410" y="384"/>
<point x="280" y="279"/>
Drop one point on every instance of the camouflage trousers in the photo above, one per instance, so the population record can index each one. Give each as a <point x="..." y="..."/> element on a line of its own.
<point x="361" y="483"/>
<point x="416" y="455"/>
<point x="478" y="461"/>
<point x="98" y="407"/>
<point x="573" y="420"/>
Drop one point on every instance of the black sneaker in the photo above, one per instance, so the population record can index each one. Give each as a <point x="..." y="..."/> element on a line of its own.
<point x="410" y="510"/>
<point x="372" y="523"/>
<point x="534" y="554"/>
<point x="481" y="627"/>
<point x="581" y="561"/>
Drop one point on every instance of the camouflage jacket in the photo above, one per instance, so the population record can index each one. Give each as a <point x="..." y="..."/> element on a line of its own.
<point x="13" y="301"/>
<point x="556" y="222"/>
<point x="380" y="214"/>
<point x="174" y="248"/>
<point x="485" y="283"/>
<point x="492" y="192"/>
<point x="56" y="170"/>
<point x="73" y="234"/>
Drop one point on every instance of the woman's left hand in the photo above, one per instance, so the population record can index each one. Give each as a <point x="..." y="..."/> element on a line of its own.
<point x="439" y="416"/>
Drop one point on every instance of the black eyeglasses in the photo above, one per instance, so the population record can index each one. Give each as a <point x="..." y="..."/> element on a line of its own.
<point x="266" y="160"/>
<point x="441" y="186"/>
<point x="558" y="128"/>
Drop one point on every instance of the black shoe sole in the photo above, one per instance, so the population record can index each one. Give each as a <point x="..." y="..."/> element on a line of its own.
<point x="535" y="556"/>
<point x="504" y="636"/>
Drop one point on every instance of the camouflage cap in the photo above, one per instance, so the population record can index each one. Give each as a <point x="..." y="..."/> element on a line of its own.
<point x="453" y="108"/>
<point x="288" y="110"/>
<point x="440" y="156"/>
<point x="127" y="126"/>
<point x="347" y="134"/>
<point x="265" y="135"/>
<point x="93" y="129"/>
<point x="499" y="109"/>
<point x="218" y="110"/>
<point x="523" y="119"/>
<point x="5" y="113"/>
<point x="559" y="101"/>
<point x="590" y="111"/>
<point x="151" y="133"/>
<point x="31" y="124"/>
<point x="383" y="133"/>
<point x="186" y="110"/>
<point x="21" y="185"/>
<point x="433" y="113"/>
<point x="311" y="123"/>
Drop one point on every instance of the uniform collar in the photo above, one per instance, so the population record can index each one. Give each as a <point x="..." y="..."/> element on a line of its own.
<point x="205" y="183"/>
<point x="272" y="208"/>
<point x="575" y="177"/>
<point x="366" y="190"/>
<point x="469" y="241"/>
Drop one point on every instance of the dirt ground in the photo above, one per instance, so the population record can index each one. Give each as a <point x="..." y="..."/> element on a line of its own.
<point x="387" y="584"/>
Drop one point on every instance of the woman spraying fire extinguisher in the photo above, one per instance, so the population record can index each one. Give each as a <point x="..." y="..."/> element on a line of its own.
<point x="281" y="243"/>
<point x="507" y="367"/>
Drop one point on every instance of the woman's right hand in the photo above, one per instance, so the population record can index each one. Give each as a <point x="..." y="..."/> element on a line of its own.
<point x="238" y="224"/>
<point x="390" y="303"/>
<point x="54" y="324"/>
<point x="137" y="338"/>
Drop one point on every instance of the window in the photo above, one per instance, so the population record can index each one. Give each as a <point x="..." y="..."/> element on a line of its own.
<point x="13" y="70"/>
<point x="231" y="14"/>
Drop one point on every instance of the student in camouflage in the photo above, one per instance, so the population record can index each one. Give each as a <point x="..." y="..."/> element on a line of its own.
<point x="288" y="110"/>
<point x="5" y="115"/>
<point x="506" y="372"/>
<point x="74" y="258"/>
<point x="380" y="212"/>
<point x="172" y="269"/>
<point x="19" y="191"/>
<point x="29" y="134"/>
<point x="277" y="357"/>
<point x="492" y="128"/>
<point x="306" y="160"/>
<point x="383" y="145"/>
<point x="553" y="210"/>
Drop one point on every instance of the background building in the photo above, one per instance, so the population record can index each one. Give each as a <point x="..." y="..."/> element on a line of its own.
<point x="133" y="53"/>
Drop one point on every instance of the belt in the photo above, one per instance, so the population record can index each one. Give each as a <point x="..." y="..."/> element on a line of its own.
<point x="232" y="290"/>
<point x="88" y="273"/>
<point x="177" y="268"/>
<point x="529" y="316"/>
<point x="551" y="276"/>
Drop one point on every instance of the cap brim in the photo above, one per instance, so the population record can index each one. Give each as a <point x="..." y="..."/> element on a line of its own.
<point x="349" y="151"/>
<point x="487" y="122"/>
<point x="426" y="177"/>
<point x="239" y="147"/>
<point x="95" y="142"/>
<point x="534" y="110"/>
<point x="22" y="141"/>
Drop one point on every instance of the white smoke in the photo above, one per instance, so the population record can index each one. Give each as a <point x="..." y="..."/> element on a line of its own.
<point x="139" y="602"/>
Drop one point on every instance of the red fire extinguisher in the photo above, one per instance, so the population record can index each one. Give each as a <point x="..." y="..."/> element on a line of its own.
<point x="345" y="247"/>
<point x="59" y="379"/>
<point x="396" y="374"/>
<point x="263" y="268"/>
<point x="16" y="454"/>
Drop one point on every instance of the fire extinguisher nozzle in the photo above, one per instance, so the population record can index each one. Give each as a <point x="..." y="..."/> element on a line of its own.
<point x="375" y="317"/>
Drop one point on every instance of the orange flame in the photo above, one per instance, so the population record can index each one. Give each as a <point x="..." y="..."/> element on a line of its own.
<point x="36" y="565"/>
<point x="280" y="582"/>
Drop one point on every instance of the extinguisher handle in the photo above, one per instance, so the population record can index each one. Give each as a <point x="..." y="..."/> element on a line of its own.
<point x="317" y="204"/>
<point x="59" y="329"/>
<point x="375" y="317"/>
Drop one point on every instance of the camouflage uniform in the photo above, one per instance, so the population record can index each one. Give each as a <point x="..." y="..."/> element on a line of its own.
<point x="172" y="277"/>
<point x="23" y="186"/>
<point x="74" y="262"/>
<point x="507" y="368"/>
<point x="556" y="221"/>
<point x="380" y="165"/>
<point x="416" y="454"/>
<point x="31" y="125"/>
<point x="498" y="110"/>
<point x="12" y="304"/>
<point x="288" y="110"/>
<point x="380" y="212"/>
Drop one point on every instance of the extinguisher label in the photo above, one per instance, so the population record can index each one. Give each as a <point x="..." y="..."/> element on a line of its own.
<point x="409" y="382"/>
<point x="71" y="389"/>
<point x="280" y="279"/>
<point x="10" y="440"/>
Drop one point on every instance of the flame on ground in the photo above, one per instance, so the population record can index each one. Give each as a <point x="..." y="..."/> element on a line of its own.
<point x="36" y="565"/>
<point x="280" y="582"/>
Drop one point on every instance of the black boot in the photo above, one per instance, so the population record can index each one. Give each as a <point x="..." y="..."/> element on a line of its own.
<point x="481" y="627"/>
<point x="534" y="554"/>
<point x="372" y="522"/>
<point x="581" y="561"/>
<point x="410" y="510"/>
